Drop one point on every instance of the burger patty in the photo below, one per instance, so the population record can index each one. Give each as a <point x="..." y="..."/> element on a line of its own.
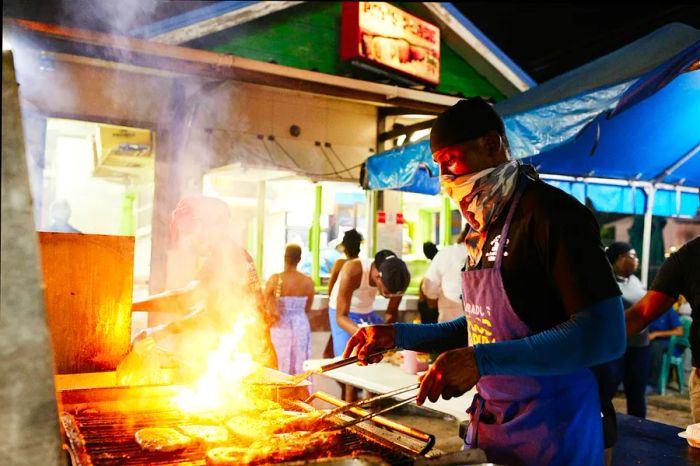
<point x="161" y="439"/>
<point x="208" y="435"/>
<point x="226" y="456"/>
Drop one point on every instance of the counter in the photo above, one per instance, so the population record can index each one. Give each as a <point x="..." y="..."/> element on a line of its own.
<point x="408" y="303"/>
<point x="384" y="377"/>
<point x="642" y="442"/>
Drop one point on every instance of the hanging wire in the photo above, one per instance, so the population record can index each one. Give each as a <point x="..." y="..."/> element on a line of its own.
<point x="328" y="159"/>
<point x="270" y="160"/>
<point x="336" y="155"/>
<point x="266" y="160"/>
<point x="285" y="151"/>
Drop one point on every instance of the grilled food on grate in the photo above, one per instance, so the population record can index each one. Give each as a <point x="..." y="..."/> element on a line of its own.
<point x="209" y="436"/>
<point x="246" y="430"/>
<point x="162" y="439"/>
<point x="226" y="456"/>
<point x="279" y="447"/>
<point x="283" y="447"/>
<point x="310" y="422"/>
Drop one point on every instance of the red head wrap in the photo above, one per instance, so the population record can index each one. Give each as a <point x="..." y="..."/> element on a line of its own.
<point x="197" y="210"/>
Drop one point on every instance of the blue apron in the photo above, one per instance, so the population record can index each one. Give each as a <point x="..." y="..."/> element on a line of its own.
<point x="520" y="420"/>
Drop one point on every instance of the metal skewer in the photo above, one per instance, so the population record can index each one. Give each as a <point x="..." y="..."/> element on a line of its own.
<point x="372" y="414"/>
<point x="368" y="401"/>
<point x="295" y="379"/>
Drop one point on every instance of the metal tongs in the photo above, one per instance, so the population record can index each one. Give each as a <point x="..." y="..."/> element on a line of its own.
<point x="368" y="401"/>
<point x="297" y="378"/>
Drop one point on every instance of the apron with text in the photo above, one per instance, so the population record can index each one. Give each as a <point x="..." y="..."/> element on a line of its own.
<point x="522" y="420"/>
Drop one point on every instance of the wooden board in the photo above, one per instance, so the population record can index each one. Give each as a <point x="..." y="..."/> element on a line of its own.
<point x="88" y="286"/>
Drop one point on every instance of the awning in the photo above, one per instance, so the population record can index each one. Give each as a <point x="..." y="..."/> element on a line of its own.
<point x="406" y="168"/>
<point x="612" y="140"/>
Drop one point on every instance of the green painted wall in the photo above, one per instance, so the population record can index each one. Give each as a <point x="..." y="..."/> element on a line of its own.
<point x="308" y="37"/>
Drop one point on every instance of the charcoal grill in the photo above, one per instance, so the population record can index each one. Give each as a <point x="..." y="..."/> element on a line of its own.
<point x="99" y="425"/>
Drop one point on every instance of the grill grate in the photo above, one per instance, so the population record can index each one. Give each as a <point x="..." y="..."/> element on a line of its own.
<point x="107" y="439"/>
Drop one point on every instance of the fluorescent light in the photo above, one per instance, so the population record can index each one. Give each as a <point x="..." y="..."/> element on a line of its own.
<point x="421" y="133"/>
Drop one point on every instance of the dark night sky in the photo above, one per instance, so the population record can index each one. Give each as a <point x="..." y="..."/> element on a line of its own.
<point x="547" y="40"/>
<point x="544" y="39"/>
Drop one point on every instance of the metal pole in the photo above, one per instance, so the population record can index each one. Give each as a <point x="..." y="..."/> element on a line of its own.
<point x="446" y="222"/>
<point x="372" y="224"/>
<point x="646" y="238"/>
<point x="259" y="230"/>
<point x="315" y="240"/>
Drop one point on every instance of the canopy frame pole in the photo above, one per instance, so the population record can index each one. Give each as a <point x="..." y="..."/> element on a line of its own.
<point x="675" y="165"/>
<point x="372" y="222"/>
<point x="315" y="239"/>
<point x="260" y="228"/>
<point x="646" y="237"/>
<point x="446" y="220"/>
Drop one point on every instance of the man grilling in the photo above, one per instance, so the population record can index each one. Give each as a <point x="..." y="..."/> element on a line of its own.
<point x="226" y="286"/>
<point x="540" y="304"/>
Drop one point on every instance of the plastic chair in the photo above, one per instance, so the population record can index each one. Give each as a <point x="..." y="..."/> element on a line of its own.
<point x="671" y="360"/>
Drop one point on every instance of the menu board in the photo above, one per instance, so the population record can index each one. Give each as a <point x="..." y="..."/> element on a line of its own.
<point x="381" y="34"/>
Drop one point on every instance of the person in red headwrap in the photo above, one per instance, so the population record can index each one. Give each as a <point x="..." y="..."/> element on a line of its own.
<point x="226" y="285"/>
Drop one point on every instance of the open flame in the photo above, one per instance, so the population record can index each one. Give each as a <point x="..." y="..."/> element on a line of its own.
<point x="229" y="367"/>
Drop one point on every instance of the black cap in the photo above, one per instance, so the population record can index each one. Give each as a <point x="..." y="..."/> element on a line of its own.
<point x="467" y="119"/>
<point x="617" y="249"/>
<point x="392" y="270"/>
<point x="429" y="249"/>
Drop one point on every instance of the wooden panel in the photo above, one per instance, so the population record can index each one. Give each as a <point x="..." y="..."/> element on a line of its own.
<point x="88" y="284"/>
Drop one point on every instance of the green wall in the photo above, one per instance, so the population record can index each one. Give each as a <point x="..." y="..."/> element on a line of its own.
<point x="308" y="37"/>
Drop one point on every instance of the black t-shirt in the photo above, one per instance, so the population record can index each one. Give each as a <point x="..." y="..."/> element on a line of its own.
<point x="680" y="274"/>
<point x="555" y="263"/>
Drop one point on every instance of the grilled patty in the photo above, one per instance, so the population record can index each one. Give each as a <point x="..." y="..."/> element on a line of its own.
<point x="161" y="439"/>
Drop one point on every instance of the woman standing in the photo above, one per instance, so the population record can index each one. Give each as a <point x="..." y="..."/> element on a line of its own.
<point x="292" y="293"/>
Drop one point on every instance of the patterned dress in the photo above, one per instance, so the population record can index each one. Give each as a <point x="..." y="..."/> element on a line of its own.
<point x="291" y="336"/>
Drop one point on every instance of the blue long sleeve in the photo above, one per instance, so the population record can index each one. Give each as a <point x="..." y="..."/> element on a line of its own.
<point x="432" y="338"/>
<point x="593" y="335"/>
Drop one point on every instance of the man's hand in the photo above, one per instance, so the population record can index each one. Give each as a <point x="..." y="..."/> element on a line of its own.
<point x="369" y="340"/>
<point x="452" y="374"/>
<point x="153" y="332"/>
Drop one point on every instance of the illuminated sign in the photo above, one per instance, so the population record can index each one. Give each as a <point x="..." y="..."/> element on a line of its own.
<point x="381" y="37"/>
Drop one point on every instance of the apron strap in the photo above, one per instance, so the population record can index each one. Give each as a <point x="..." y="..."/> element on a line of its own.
<point x="475" y="411"/>
<point x="523" y="181"/>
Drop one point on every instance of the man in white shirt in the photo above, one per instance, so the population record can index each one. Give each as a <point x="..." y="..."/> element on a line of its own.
<point x="443" y="282"/>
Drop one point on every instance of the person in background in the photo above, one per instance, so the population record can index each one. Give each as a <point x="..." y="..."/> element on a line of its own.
<point x="427" y="307"/>
<point x="226" y="287"/>
<point x="442" y="283"/>
<point x="632" y="369"/>
<point x="661" y="330"/>
<point x="679" y="275"/>
<point x="540" y="301"/>
<point x="292" y="294"/>
<point x="60" y="216"/>
<point x="351" y="304"/>
<point x="350" y="245"/>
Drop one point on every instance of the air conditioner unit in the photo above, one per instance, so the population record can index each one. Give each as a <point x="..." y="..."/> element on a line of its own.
<point x="120" y="150"/>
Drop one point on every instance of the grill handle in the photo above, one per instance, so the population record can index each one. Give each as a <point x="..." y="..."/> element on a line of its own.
<point x="429" y="439"/>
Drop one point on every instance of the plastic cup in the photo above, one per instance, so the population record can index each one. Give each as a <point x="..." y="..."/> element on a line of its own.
<point x="410" y="362"/>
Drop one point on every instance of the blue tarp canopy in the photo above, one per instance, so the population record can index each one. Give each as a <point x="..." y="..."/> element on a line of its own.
<point x="604" y="142"/>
